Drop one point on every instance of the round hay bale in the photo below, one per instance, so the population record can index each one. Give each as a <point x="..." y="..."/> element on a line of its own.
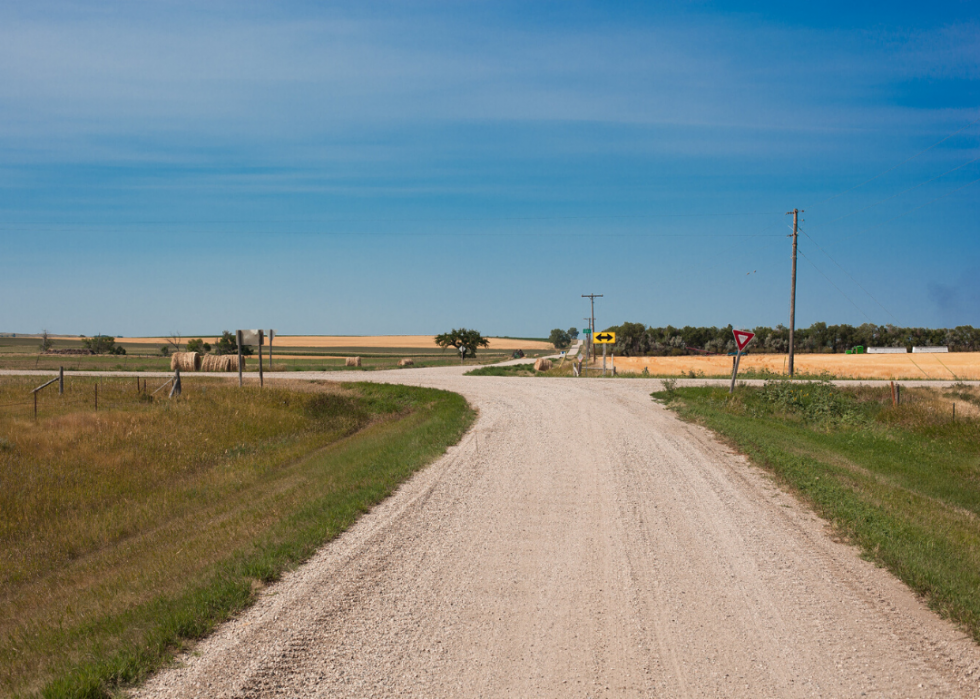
<point x="407" y="361"/>
<point x="353" y="361"/>
<point x="187" y="361"/>
<point x="542" y="364"/>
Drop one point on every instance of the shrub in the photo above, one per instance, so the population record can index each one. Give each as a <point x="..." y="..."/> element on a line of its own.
<point x="560" y="339"/>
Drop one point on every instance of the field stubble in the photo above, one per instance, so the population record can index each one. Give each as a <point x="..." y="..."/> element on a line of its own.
<point x="955" y="366"/>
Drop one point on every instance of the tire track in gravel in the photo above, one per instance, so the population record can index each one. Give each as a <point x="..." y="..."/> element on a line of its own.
<point x="581" y="541"/>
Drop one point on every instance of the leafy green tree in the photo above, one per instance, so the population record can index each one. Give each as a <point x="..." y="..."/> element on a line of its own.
<point x="228" y="344"/>
<point x="631" y="340"/>
<point x="560" y="339"/>
<point x="102" y="344"/>
<point x="465" y="341"/>
<point x="573" y="333"/>
<point x="198" y="345"/>
<point x="165" y="350"/>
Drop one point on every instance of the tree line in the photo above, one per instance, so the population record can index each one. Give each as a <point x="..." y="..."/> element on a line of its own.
<point x="638" y="340"/>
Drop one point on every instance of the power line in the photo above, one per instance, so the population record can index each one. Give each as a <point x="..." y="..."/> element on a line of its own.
<point x="456" y="234"/>
<point x="469" y="219"/>
<point x="904" y="191"/>
<point x="878" y="225"/>
<point x="835" y="286"/>
<point x="885" y="172"/>
<point x="849" y="276"/>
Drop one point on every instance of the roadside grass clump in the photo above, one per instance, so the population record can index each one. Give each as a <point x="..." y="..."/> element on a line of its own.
<point x="509" y="370"/>
<point x="900" y="481"/>
<point x="815" y="402"/>
<point x="128" y="531"/>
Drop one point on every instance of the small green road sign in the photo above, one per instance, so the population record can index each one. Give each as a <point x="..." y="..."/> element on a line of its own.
<point x="587" y="331"/>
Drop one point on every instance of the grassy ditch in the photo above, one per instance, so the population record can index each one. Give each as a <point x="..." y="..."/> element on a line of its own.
<point x="902" y="482"/>
<point x="126" y="532"/>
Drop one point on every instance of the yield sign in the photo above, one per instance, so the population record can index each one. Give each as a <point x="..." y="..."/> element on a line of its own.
<point x="742" y="338"/>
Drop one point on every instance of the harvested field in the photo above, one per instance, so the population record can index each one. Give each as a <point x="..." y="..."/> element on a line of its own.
<point x="953" y="366"/>
<point x="379" y="341"/>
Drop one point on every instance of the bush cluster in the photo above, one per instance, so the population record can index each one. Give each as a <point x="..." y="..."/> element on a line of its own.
<point x="638" y="340"/>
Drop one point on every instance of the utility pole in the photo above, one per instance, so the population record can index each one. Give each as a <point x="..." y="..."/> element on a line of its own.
<point x="792" y="290"/>
<point x="592" y="298"/>
<point x="587" y="336"/>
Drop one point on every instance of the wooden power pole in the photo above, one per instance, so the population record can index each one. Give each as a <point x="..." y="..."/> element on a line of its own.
<point x="792" y="290"/>
<point x="591" y="298"/>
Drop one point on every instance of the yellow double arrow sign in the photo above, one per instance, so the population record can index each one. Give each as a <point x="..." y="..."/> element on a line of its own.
<point x="604" y="338"/>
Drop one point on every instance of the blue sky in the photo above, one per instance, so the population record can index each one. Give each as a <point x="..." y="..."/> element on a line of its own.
<point x="393" y="168"/>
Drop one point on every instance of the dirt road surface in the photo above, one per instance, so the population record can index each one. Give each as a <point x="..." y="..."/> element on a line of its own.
<point x="581" y="542"/>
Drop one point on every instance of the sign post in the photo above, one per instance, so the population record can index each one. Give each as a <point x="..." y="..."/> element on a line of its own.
<point x="604" y="338"/>
<point x="742" y="339"/>
<point x="272" y="336"/>
<point x="249" y="337"/>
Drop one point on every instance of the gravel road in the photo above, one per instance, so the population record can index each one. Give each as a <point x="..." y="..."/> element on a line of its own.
<point x="581" y="542"/>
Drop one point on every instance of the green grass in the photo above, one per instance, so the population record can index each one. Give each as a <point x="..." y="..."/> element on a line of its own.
<point x="127" y="532"/>
<point x="510" y="370"/>
<point x="902" y="482"/>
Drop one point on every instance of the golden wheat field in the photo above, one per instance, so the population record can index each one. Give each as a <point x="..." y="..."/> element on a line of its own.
<point x="364" y="341"/>
<point x="954" y="366"/>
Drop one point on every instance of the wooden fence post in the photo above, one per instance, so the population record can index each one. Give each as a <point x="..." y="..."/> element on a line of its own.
<point x="261" y="339"/>
<point x="238" y="338"/>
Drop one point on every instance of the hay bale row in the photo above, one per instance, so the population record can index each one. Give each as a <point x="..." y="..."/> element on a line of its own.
<point x="353" y="361"/>
<point x="220" y="362"/>
<point x="186" y="361"/>
<point x="407" y="361"/>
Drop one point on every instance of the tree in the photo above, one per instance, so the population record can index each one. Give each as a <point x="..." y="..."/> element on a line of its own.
<point x="631" y="339"/>
<point x="228" y="344"/>
<point x="102" y="344"/>
<point x="573" y="333"/>
<point x="466" y="341"/>
<point x="198" y="345"/>
<point x="46" y="341"/>
<point x="560" y="339"/>
<point x="174" y="341"/>
<point x="165" y="350"/>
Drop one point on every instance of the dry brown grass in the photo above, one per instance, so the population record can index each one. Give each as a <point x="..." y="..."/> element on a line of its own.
<point x="953" y="366"/>
<point x="100" y="511"/>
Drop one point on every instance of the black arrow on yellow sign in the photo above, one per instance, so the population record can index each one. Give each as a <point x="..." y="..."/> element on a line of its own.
<point x="605" y="338"/>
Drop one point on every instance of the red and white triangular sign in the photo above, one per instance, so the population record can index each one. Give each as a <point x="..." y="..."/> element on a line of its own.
<point x="742" y="338"/>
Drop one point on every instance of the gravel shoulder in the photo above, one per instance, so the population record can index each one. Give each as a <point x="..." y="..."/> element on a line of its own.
<point x="580" y="541"/>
